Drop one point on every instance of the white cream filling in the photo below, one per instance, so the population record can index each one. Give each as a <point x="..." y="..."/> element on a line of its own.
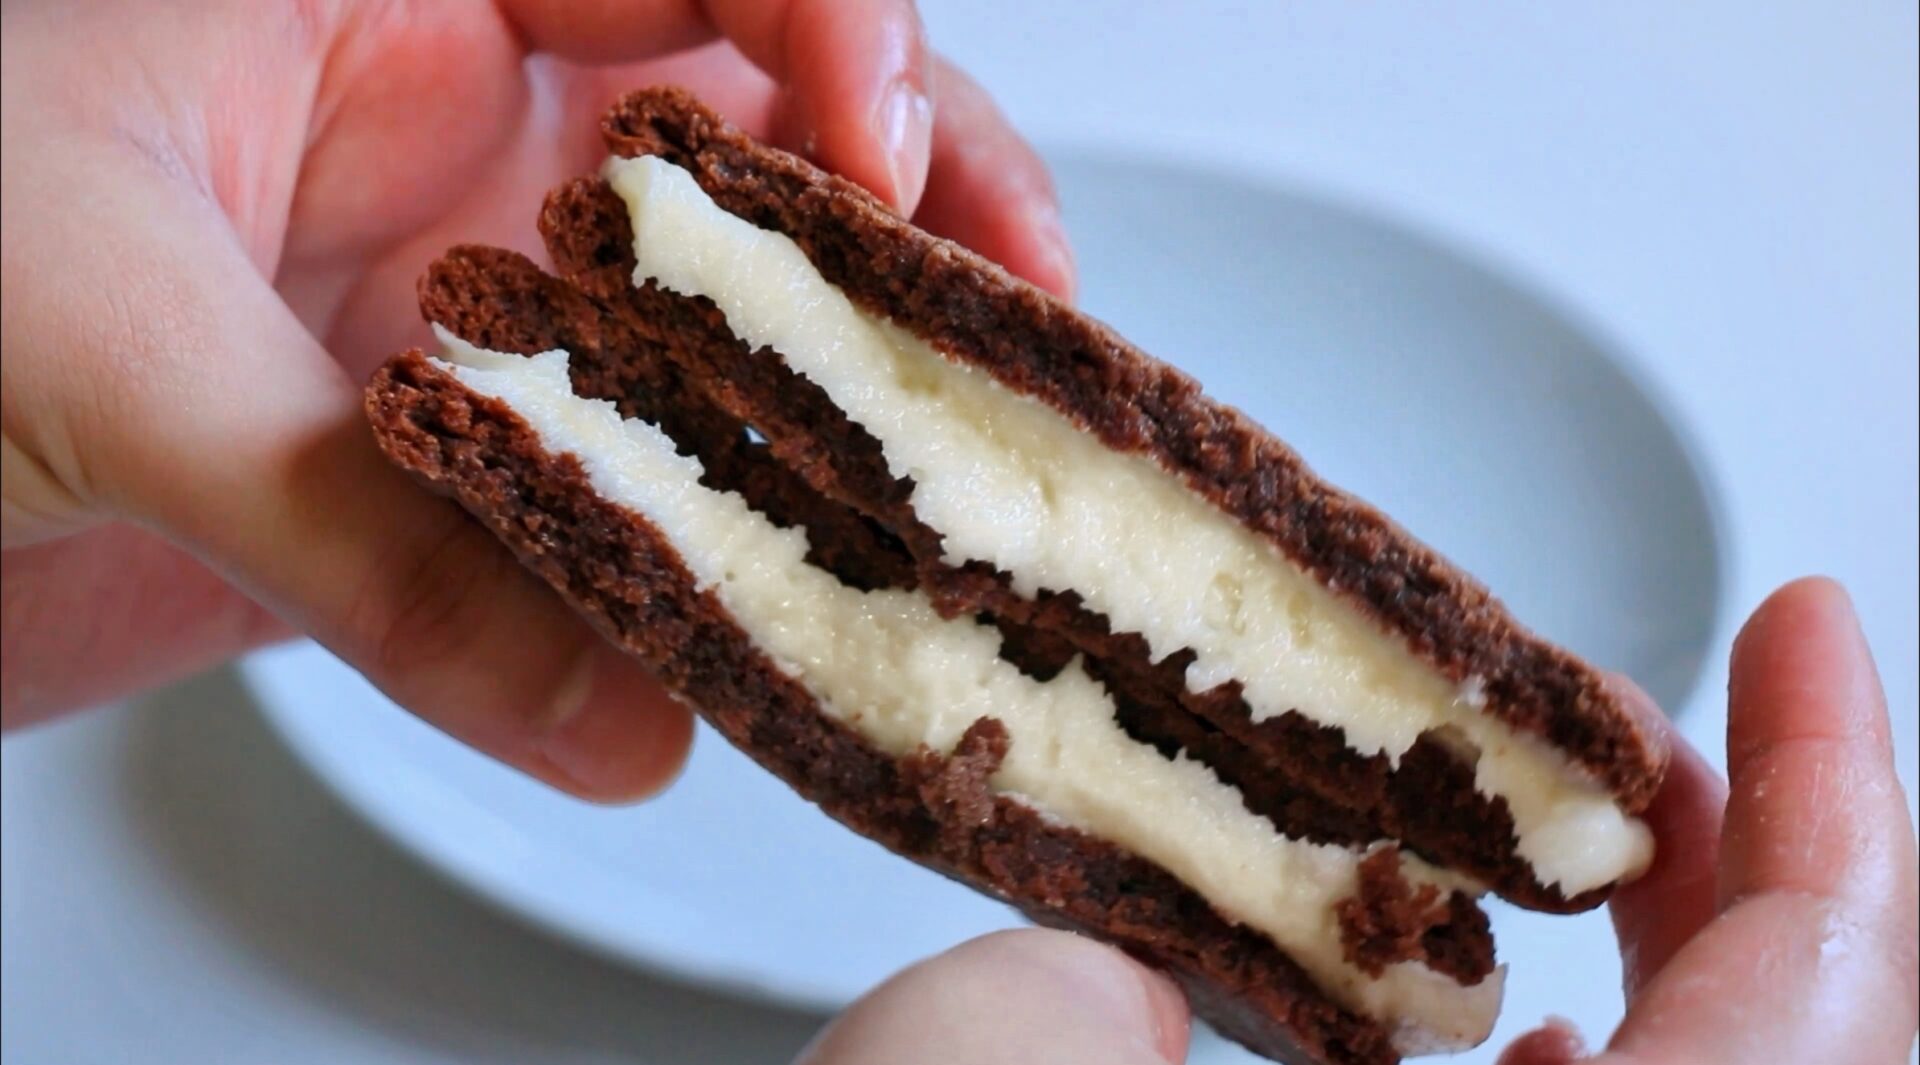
<point x="1012" y="482"/>
<point x="889" y="666"/>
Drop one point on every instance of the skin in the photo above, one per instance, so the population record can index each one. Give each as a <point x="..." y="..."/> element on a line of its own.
<point x="1778" y="921"/>
<point x="211" y="237"/>
<point x="252" y="191"/>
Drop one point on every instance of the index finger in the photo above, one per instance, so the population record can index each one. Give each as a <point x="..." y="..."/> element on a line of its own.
<point x="1811" y="957"/>
<point x="1816" y="807"/>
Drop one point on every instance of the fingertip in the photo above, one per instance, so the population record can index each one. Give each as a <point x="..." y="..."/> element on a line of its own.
<point x="1130" y="994"/>
<point x="1805" y="600"/>
<point x="1555" y="1042"/>
<point x="857" y="98"/>
<point x="615" y="735"/>
<point x="1802" y="666"/>
<point x="1015" y="997"/>
<point x="1815" y="587"/>
<point x="1019" y="228"/>
<point x="903" y="125"/>
<point x="1815" y="798"/>
<point x="989" y="190"/>
<point x="1172" y="1017"/>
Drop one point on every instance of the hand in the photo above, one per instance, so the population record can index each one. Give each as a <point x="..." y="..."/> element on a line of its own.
<point x="1778" y="925"/>
<point x="214" y="216"/>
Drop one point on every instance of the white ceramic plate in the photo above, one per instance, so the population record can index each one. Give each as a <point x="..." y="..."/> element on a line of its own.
<point x="1477" y="413"/>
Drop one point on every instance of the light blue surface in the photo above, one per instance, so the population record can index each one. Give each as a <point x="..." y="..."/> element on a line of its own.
<point x="1727" y="190"/>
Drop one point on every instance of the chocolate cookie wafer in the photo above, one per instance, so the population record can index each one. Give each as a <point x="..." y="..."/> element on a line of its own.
<point x="1020" y="602"/>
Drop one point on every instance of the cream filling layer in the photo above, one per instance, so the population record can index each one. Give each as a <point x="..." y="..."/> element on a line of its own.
<point x="890" y="667"/>
<point x="1012" y="482"/>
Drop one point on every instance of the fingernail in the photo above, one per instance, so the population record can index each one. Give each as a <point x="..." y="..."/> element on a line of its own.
<point x="611" y="732"/>
<point x="1167" y="1005"/>
<point x="903" y="124"/>
<point x="1842" y="599"/>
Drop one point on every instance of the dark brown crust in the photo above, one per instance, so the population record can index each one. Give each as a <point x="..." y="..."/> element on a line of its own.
<point x="1305" y="775"/>
<point x="631" y="584"/>
<point x="979" y="314"/>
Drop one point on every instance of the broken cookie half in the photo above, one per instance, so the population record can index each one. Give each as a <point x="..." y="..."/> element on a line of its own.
<point x="995" y="588"/>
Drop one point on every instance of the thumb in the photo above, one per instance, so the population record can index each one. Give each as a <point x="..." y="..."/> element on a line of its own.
<point x="158" y="378"/>
<point x="1011" y="998"/>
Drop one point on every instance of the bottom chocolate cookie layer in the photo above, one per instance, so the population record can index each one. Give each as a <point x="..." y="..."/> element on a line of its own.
<point x="625" y="577"/>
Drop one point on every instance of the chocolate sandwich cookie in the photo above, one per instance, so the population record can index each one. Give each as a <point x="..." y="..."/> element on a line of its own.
<point x="999" y="590"/>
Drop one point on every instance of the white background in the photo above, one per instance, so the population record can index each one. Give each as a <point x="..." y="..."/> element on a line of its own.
<point x="1728" y="188"/>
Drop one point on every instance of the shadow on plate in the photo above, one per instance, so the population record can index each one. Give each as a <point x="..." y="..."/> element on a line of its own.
<point x="256" y="842"/>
